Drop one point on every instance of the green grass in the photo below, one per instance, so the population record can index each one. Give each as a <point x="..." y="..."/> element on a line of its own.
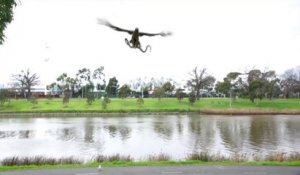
<point x="150" y="105"/>
<point x="150" y="163"/>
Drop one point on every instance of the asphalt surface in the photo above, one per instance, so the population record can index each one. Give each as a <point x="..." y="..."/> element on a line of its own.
<point x="167" y="170"/>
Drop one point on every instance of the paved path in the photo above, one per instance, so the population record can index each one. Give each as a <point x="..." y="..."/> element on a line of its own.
<point x="167" y="170"/>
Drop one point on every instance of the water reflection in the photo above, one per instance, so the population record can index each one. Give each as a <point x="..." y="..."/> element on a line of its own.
<point x="112" y="130"/>
<point x="163" y="127"/>
<point x="142" y="135"/>
<point x="89" y="131"/>
<point x="203" y="133"/>
<point x="123" y="132"/>
<point x="7" y="134"/>
<point x="264" y="131"/>
<point x="23" y="134"/>
<point x="66" y="134"/>
<point x="235" y="133"/>
<point x="26" y="134"/>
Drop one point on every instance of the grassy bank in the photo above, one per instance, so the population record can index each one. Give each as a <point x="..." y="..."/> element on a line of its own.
<point x="202" y="158"/>
<point x="149" y="163"/>
<point x="204" y="105"/>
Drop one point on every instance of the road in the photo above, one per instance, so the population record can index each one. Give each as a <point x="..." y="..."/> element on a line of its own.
<point x="167" y="170"/>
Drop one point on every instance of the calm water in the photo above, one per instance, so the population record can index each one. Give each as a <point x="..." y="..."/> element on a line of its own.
<point x="142" y="135"/>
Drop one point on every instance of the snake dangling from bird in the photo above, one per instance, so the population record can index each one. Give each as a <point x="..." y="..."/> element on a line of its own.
<point x="139" y="47"/>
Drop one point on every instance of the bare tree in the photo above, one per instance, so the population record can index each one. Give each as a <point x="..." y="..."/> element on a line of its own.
<point x="290" y="82"/>
<point x="200" y="80"/>
<point x="25" y="81"/>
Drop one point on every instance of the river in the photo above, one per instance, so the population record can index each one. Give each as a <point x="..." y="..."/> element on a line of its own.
<point x="140" y="135"/>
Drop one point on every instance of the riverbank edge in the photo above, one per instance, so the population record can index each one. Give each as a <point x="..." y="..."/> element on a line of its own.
<point x="150" y="163"/>
<point x="209" y="111"/>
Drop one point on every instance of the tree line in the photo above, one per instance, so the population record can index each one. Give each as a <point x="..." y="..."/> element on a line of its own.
<point x="91" y="84"/>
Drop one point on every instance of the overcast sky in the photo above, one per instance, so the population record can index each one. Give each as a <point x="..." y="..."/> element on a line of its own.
<point x="51" y="37"/>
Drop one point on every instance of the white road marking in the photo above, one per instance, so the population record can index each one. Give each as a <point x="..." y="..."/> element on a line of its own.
<point x="171" y="172"/>
<point x="87" y="174"/>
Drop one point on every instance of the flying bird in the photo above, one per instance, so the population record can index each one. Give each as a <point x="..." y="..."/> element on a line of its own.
<point x="135" y="34"/>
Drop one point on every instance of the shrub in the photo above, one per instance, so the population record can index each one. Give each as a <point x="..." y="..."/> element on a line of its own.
<point x="3" y="96"/>
<point x="179" y="94"/>
<point x="140" y="102"/>
<point x="33" y="100"/>
<point x="90" y="98"/>
<point x="66" y="98"/>
<point x="192" y="98"/>
<point x="105" y="103"/>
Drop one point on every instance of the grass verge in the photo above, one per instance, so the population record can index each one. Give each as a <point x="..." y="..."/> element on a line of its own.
<point x="205" y="105"/>
<point x="150" y="163"/>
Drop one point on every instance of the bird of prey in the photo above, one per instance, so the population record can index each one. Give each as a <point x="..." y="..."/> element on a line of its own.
<point x="135" y="34"/>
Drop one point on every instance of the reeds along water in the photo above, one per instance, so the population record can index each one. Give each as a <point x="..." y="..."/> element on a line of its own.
<point x="39" y="160"/>
<point x="200" y="156"/>
<point x="112" y="158"/>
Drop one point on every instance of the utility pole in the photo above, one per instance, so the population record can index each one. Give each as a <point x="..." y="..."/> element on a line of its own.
<point x="142" y="90"/>
<point x="230" y="97"/>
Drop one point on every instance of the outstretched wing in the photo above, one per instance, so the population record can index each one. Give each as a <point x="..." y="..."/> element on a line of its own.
<point x="154" y="34"/>
<point x="108" y="24"/>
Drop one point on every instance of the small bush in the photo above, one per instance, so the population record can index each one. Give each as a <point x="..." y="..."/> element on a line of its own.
<point x="90" y="98"/>
<point x="3" y="96"/>
<point x="192" y="98"/>
<point x="105" y="103"/>
<point x="66" y="98"/>
<point x="140" y="102"/>
<point x="33" y="101"/>
<point x="179" y="94"/>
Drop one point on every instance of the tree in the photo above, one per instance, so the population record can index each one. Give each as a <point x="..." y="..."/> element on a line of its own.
<point x="179" y="94"/>
<point x="255" y="89"/>
<point x="200" y="80"/>
<point x="290" y="82"/>
<point x="25" y="81"/>
<point x="66" y="97"/>
<point x="271" y="86"/>
<point x="261" y="84"/>
<point x="159" y="92"/>
<point x="84" y="81"/>
<point x="105" y="103"/>
<point x="90" y="98"/>
<point x="4" y="96"/>
<point x="124" y="91"/>
<point x="112" y="87"/>
<point x="192" y="98"/>
<point x="98" y="75"/>
<point x="231" y="84"/>
<point x="168" y="88"/>
<point x="64" y="84"/>
<point x="6" y="16"/>
<point x="140" y="87"/>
